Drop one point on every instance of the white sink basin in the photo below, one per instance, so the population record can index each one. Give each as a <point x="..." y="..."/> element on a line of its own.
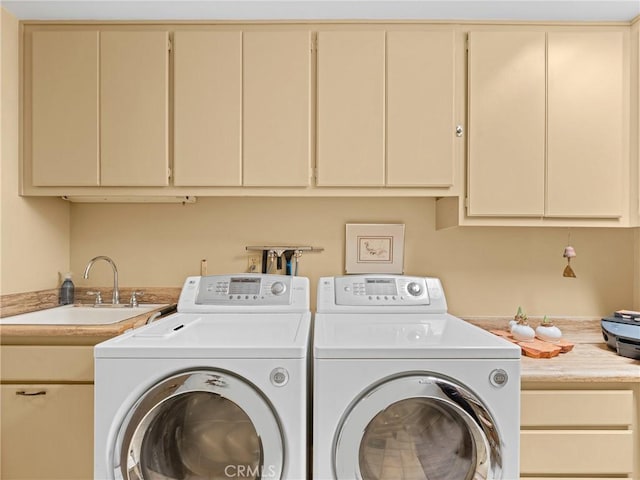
<point x="79" y="315"/>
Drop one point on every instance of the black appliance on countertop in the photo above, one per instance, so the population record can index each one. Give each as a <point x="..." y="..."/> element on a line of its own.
<point x="622" y="333"/>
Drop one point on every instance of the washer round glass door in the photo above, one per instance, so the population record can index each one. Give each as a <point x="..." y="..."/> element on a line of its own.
<point x="204" y="424"/>
<point x="417" y="427"/>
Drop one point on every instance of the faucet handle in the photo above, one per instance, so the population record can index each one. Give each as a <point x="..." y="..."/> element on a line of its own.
<point x="98" y="295"/>
<point x="134" y="297"/>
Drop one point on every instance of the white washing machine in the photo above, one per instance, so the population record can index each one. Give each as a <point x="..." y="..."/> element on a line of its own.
<point x="403" y="390"/>
<point x="215" y="391"/>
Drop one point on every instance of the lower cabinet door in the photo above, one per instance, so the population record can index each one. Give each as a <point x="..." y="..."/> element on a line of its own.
<point x="46" y="432"/>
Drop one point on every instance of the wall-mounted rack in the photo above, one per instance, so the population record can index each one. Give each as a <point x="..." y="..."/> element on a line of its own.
<point x="272" y="256"/>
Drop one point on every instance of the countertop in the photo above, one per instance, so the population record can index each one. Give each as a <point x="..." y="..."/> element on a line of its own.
<point x="70" y="334"/>
<point x="17" y="303"/>
<point x="589" y="361"/>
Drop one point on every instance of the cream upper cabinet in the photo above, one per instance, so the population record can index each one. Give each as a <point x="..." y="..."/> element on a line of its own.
<point x="242" y="108"/>
<point x="63" y="139"/>
<point x="134" y="108"/>
<point x="276" y="108"/>
<point x="506" y="123"/>
<point x="351" y="104"/>
<point x="96" y="108"/>
<point x="506" y="149"/>
<point x="386" y="107"/>
<point x="586" y="110"/>
<point x="420" y="108"/>
<point x="547" y="124"/>
<point x="360" y="108"/>
<point x="207" y="99"/>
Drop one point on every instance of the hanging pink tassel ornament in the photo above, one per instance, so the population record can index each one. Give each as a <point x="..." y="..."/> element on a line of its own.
<point x="569" y="253"/>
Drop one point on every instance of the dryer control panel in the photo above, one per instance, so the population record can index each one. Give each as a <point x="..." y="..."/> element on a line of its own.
<point x="245" y="292"/>
<point x="371" y="293"/>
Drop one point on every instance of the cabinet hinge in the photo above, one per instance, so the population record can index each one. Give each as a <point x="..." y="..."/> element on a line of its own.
<point x="169" y="173"/>
<point x="169" y="46"/>
<point x="314" y="43"/>
<point x="314" y="175"/>
<point x="466" y="43"/>
<point x="466" y="202"/>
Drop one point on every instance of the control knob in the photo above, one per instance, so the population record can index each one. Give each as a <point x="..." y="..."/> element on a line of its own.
<point x="414" y="289"/>
<point x="278" y="288"/>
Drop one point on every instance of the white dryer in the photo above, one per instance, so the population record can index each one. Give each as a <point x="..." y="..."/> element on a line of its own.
<point x="215" y="391"/>
<point x="405" y="391"/>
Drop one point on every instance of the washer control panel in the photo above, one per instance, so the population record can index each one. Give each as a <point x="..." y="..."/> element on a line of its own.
<point x="362" y="291"/>
<point x="249" y="292"/>
<point x="373" y="290"/>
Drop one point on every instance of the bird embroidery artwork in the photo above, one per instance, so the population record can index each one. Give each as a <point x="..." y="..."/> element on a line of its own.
<point x="374" y="250"/>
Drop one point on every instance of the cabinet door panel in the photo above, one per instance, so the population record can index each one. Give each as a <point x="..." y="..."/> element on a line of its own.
<point x="47" y="436"/>
<point x="134" y="108"/>
<point x="64" y="113"/>
<point x="420" y="103"/>
<point x="564" y="452"/>
<point x="277" y="108"/>
<point x="351" y="97"/>
<point x="506" y="123"/>
<point x="207" y="108"/>
<point x="585" y="139"/>
<point x="570" y="408"/>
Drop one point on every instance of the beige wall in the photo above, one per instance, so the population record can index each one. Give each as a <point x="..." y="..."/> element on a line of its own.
<point x="636" y="271"/>
<point x="635" y="112"/>
<point x="34" y="235"/>
<point x="486" y="271"/>
<point x="635" y="147"/>
<point x="636" y="275"/>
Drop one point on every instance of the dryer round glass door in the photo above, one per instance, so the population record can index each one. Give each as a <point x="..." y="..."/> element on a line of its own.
<point x="418" y="427"/>
<point x="201" y="424"/>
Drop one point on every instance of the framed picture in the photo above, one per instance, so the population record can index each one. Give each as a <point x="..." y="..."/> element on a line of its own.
<point x="374" y="248"/>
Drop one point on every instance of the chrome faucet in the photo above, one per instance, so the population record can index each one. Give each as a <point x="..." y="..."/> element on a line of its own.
<point x="115" y="299"/>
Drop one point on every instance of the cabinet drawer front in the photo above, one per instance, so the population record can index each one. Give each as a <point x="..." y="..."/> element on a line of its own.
<point x="561" y="408"/>
<point x="576" y="452"/>
<point x="47" y="363"/>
